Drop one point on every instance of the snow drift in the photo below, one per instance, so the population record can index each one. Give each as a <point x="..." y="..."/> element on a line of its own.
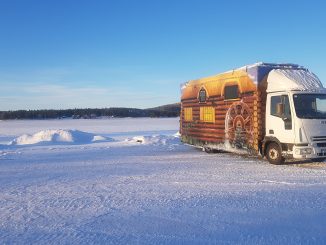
<point x="156" y="139"/>
<point x="57" y="136"/>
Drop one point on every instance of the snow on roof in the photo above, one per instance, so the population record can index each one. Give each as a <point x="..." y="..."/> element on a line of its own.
<point x="276" y="65"/>
<point x="252" y="71"/>
<point x="293" y="79"/>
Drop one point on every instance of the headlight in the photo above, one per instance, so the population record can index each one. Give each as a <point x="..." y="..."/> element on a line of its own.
<point x="303" y="151"/>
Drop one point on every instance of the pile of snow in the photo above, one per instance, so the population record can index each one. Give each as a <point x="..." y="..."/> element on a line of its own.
<point x="56" y="136"/>
<point x="156" y="139"/>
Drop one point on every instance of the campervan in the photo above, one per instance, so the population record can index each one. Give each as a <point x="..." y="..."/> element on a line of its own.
<point x="277" y="111"/>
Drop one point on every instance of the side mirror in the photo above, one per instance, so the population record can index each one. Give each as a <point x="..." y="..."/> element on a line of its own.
<point x="279" y="109"/>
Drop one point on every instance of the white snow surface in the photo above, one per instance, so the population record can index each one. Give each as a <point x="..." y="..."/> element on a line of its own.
<point x="291" y="79"/>
<point x="145" y="187"/>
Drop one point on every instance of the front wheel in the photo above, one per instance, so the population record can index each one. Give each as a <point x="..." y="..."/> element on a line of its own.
<point x="274" y="154"/>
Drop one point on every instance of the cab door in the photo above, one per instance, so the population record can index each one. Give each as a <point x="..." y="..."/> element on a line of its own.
<point x="279" y="121"/>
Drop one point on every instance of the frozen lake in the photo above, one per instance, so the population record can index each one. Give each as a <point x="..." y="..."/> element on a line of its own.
<point x="139" y="185"/>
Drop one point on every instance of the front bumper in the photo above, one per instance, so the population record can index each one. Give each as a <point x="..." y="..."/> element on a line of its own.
<point x="308" y="152"/>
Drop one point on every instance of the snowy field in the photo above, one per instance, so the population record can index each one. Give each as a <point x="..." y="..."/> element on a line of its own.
<point x="130" y="181"/>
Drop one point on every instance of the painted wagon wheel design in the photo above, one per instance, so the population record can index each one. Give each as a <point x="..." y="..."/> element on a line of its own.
<point x="238" y="125"/>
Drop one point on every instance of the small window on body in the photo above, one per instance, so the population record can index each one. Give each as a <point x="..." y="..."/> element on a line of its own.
<point x="202" y="95"/>
<point x="231" y="92"/>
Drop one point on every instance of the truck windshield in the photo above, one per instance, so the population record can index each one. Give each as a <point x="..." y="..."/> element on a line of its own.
<point x="312" y="106"/>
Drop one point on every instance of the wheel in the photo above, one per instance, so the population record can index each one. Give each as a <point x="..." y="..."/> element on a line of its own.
<point x="274" y="154"/>
<point x="238" y="125"/>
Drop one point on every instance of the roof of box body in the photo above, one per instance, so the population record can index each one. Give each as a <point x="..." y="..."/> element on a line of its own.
<point x="258" y="71"/>
<point x="281" y="77"/>
<point x="252" y="71"/>
<point x="214" y="85"/>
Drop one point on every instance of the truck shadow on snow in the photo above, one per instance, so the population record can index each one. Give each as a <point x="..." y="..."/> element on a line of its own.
<point x="311" y="163"/>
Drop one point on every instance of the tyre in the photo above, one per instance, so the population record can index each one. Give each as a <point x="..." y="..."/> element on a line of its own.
<point x="274" y="154"/>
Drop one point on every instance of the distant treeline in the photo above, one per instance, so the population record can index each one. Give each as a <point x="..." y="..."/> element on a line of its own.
<point x="172" y="110"/>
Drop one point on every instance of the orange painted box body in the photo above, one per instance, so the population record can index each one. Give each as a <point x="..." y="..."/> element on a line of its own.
<point x="227" y="111"/>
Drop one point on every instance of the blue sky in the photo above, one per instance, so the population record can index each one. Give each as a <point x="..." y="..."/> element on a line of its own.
<point x="76" y="54"/>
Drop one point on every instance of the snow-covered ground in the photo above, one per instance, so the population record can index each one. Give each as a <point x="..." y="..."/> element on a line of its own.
<point x="130" y="181"/>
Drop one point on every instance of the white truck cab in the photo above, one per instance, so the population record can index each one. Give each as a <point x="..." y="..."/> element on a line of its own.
<point x="295" y="116"/>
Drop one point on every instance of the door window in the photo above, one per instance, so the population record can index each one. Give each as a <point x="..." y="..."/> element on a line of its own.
<point x="280" y="107"/>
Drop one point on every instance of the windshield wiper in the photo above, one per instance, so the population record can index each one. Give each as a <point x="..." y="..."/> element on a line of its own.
<point x="307" y="117"/>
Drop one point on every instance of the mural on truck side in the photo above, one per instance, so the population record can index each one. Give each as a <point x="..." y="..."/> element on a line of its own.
<point x="221" y="109"/>
<point x="239" y="125"/>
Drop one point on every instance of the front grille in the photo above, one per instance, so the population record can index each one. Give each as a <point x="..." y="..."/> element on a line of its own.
<point x="321" y="144"/>
<point x="318" y="138"/>
<point x="321" y="154"/>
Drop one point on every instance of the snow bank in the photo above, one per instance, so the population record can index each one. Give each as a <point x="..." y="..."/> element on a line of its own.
<point x="55" y="136"/>
<point x="156" y="139"/>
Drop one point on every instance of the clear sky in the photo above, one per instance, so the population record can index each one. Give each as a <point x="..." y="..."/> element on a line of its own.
<point x="75" y="54"/>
